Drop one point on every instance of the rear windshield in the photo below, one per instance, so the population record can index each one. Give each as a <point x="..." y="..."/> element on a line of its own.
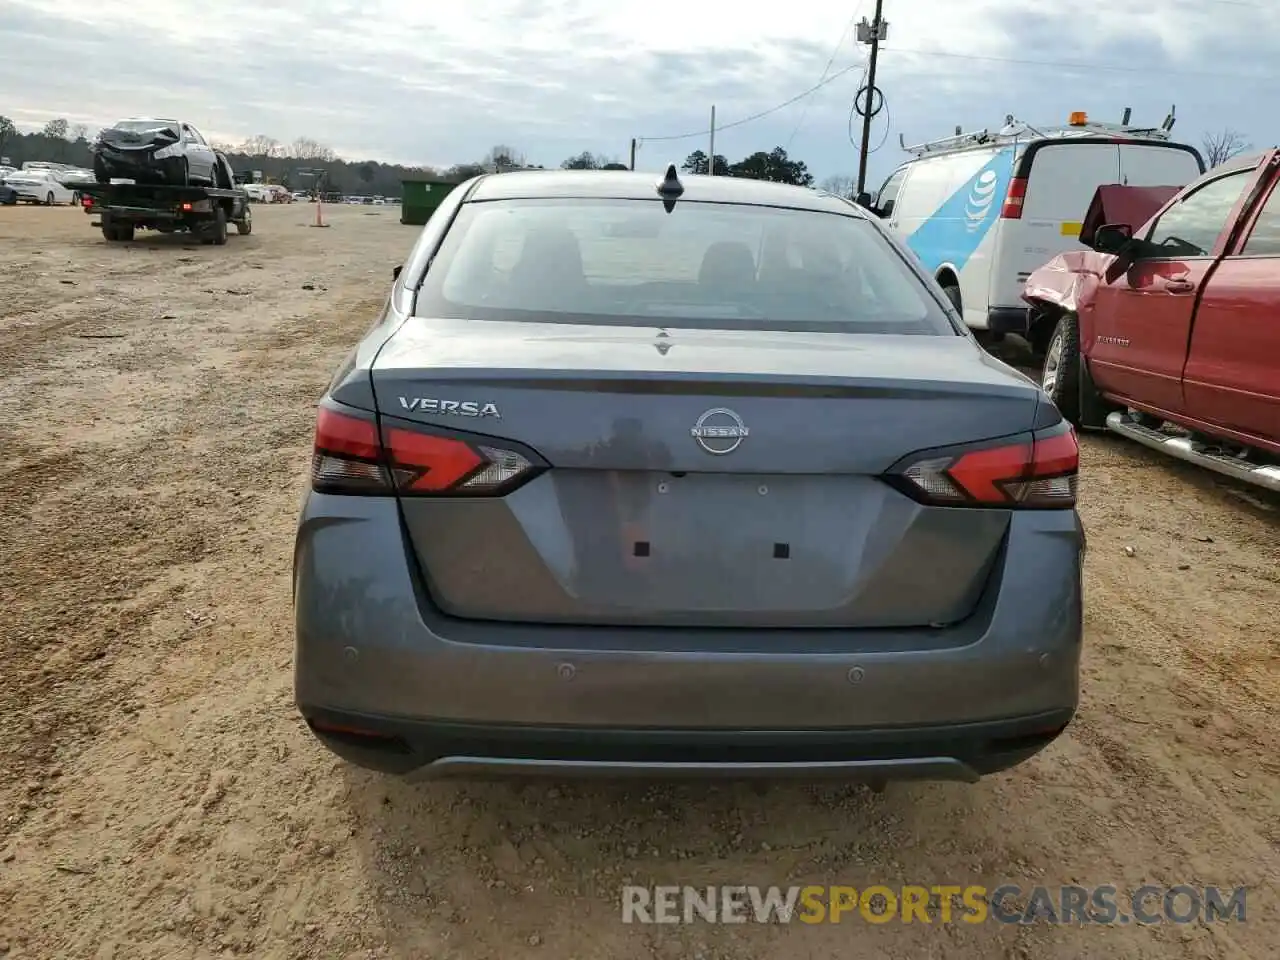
<point x="705" y="265"/>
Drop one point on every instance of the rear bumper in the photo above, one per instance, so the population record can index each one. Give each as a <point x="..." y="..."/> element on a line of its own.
<point x="372" y="654"/>
<point x="430" y="748"/>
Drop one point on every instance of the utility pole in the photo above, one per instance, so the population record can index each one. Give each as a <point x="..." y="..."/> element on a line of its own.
<point x="633" y="153"/>
<point x="871" y="33"/>
<point x="711" y="159"/>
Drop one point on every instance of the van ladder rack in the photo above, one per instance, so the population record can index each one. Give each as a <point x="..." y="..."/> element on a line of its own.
<point x="1016" y="132"/>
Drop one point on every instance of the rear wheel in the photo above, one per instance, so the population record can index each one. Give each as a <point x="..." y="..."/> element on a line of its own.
<point x="244" y="226"/>
<point x="215" y="232"/>
<point x="48" y="199"/>
<point x="116" y="232"/>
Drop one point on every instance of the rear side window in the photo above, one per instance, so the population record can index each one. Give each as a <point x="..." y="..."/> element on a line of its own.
<point x="1264" y="240"/>
<point x="1191" y="227"/>
<point x="707" y="265"/>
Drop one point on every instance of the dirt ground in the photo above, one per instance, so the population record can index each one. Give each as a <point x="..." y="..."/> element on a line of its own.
<point x="159" y="797"/>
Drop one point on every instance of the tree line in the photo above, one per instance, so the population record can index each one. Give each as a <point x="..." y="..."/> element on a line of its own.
<point x="304" y="162"/>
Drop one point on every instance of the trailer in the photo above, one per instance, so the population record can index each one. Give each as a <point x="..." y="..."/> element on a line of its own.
<point x="204" y="212"/>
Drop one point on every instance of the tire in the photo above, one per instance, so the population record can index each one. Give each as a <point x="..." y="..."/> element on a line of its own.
<point x="244" y="226"/>
<point x="1066" y="381"/>
<point x="1060" y="374"/>
<point x="124" y="232"/>
<point x="953" y="294"/>
<point x="48" y="199"/>
<point x="218" y="228"/>
<point x="111" y="230"/>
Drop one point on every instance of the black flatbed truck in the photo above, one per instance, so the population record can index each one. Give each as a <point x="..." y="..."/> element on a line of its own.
<point x="204" y="212"/>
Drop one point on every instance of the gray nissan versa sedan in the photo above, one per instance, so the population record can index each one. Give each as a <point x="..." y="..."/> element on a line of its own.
<point x="637" y="474"/>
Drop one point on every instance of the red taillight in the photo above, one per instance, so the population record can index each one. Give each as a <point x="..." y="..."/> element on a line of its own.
<point x="347" y="457"/>
<point x="1012" y="209"/>
<point x="1035" y="471"/>
<point x="352" y="456"/>
<point x="431" y="463"/>
<point x="86" y="201"/>
<point x="186" y="208"/>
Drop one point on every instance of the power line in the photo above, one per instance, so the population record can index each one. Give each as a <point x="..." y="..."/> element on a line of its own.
<point x="888" y="123"/>
<point x="825" y="70"/>
<point x="763" y="113"/>
<point x="1061" y="65"/>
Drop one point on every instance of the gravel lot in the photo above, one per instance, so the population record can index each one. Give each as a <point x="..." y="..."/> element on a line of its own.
<point x="159" y="797"/>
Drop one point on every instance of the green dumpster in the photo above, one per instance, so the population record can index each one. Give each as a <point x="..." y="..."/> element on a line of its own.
<point x="420" y="199"/>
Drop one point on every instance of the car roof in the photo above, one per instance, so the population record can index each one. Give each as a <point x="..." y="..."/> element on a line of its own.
<point x="629" y="185"/>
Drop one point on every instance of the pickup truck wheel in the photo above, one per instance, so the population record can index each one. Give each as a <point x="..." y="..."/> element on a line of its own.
<point x="109" y="229"/>
<point x="244" y="226"/>
<point x="1066" y="381"/>
<point x="48" y="199"/>
<point x="1060" y="376"/>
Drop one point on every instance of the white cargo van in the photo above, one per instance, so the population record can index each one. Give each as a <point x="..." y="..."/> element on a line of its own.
<point x="982" y="210"/>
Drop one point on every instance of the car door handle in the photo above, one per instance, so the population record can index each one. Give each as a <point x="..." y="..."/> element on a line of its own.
<point x="1179" y="286"/>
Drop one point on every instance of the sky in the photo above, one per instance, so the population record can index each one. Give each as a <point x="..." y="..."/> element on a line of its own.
<point x="437" y="83"/>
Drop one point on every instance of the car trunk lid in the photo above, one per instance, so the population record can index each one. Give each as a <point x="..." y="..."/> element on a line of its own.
<point x="711" y="478"/>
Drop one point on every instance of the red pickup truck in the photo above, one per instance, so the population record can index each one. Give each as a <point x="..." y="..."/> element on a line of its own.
<point x="1168" y="329"/>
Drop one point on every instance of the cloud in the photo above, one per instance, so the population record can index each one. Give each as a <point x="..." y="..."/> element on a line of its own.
<point x="438" y="84"/>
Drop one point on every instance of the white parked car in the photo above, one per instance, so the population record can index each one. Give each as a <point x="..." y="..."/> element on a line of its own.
<point x="39" y="186"/>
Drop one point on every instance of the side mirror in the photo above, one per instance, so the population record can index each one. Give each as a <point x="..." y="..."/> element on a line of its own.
<point x="1113" y="238"/>
<point x="864" y="200"/>
<point x="395" y="272"/>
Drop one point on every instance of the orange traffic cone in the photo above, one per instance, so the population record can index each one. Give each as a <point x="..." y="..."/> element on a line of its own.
<point x="319" y="213"/>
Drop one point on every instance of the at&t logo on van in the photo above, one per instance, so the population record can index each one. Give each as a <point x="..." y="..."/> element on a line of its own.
<point x="952" y="233"/>
<point x="981" y="199"/>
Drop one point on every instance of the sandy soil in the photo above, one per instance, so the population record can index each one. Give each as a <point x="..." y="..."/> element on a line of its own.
<point x="160" y="798"/>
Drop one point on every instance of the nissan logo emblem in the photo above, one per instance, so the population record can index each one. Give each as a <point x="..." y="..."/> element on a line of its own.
<point x="719" y="431"/>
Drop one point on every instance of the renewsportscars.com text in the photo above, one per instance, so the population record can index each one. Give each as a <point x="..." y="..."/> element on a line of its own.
<point x="942" y="903"/>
